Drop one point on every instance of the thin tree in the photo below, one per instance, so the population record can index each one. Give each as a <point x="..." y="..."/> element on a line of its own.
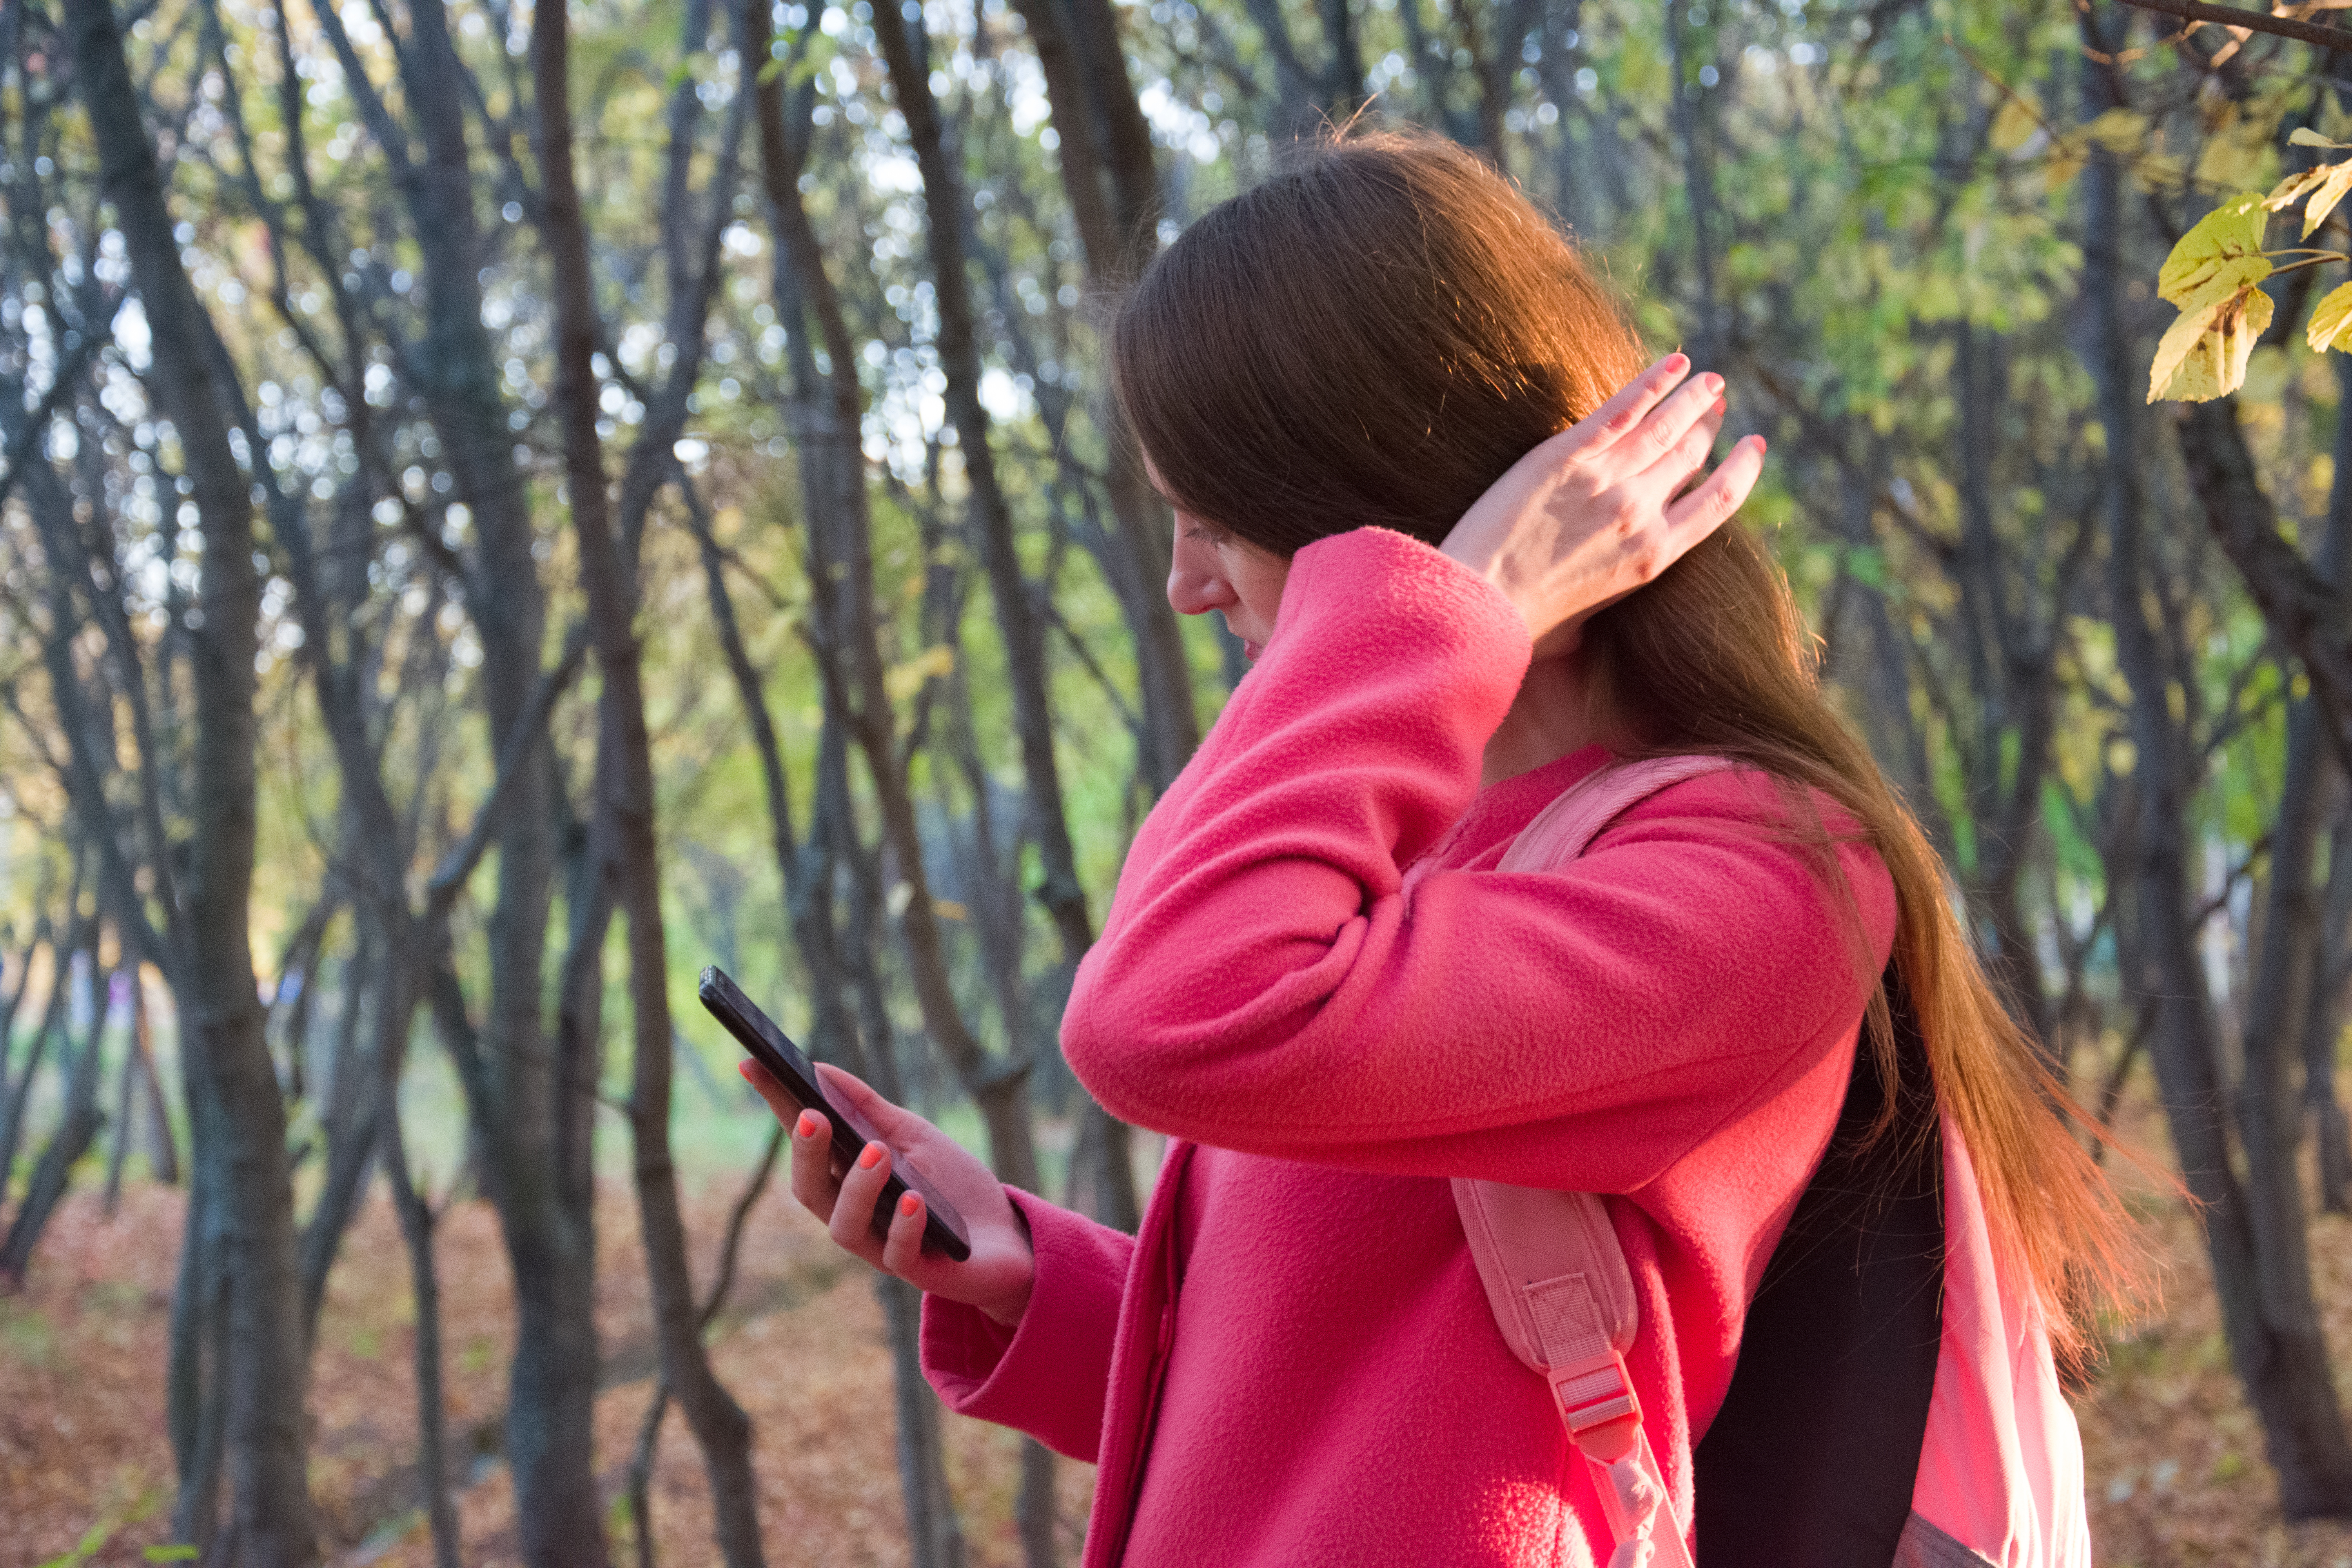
<point x="625" y="807"/>
<point x="232" y="1081"/>
<point x="827" y="409"/>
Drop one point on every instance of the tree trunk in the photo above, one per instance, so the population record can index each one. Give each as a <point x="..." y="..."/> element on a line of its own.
<point x="222" y="1038"/>
<point x="931" y="1522"/>
<point x="15" y="999"/>
<point x="1297" y="113"/>
<point x="2323" y="1030"/>
<point x="76" y="1131"/>
<point x="808" y="888"/>
<point x="2255" y="1241"/>
<point x="126" y="1099"/>
<point x="165" y="1147"/>
<point x="991" y="518"/>
<point x="16" y="1096"/>
<point x="827" y="407"/>
<point x="196" y="1390"/>
<point x="625" y="803"/>
<point x="351" y="1121"/>
<point x="999" y="1086"/>
<point x="395" y="1011"/>
<point x="1103" y="131"/>
<point x="1710" y="343"/>
<point x="516" y="1099"/>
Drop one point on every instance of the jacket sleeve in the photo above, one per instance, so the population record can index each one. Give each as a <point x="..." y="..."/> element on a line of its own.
<point x="1049" y="1376"/>
<point x="1264" y="984"/>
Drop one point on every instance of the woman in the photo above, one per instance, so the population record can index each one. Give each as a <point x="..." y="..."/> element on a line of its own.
<point x="1377" y="392"/>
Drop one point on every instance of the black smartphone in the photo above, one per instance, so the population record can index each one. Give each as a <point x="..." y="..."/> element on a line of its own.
<point x="943" y="1227"/>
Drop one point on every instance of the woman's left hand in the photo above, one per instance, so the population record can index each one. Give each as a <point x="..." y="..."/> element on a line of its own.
<point x="1598" y="510"/>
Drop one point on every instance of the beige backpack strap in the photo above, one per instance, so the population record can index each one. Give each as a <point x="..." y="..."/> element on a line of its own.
<point x="1554" y="1274"/>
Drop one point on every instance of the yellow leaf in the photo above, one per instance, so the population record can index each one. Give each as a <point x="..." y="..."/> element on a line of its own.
<point x="2204" y="355"/>
<point x="2173" y="349"/>
<point x="2120" y="130"/>
<point x="2014" y="126"/>
<point x="2065" y="162"/>
<point x="2306" y="136"/>
<point x="904" y="681"/>
<point x="2235" y="154"/>
<point x="2330" y="319"/>
<point x="949" y="910"/>
<point x="2230" y="235"/>
<point x="2292" y="189"/>
<point x="2324" y="194"/>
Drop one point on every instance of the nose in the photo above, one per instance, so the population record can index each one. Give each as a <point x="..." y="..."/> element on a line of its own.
<point x="1195" y="584"/>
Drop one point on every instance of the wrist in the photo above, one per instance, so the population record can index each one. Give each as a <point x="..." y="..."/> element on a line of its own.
<point x="1007" y="1311"/>
<point x="1006" y="1314"/>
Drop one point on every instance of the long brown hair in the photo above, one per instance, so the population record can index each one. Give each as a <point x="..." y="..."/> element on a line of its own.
<point x="1371" y="336"/>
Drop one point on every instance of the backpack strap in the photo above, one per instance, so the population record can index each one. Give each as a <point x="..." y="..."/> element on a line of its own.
<point x="1555" y="1276"/>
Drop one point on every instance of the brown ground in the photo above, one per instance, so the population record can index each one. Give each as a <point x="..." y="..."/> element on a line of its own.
<point x="2177" y="1474"/>
<point x="85" y="1461"/>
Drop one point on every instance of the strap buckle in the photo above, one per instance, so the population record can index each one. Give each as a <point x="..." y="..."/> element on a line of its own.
<point x="1598" y="1407"/>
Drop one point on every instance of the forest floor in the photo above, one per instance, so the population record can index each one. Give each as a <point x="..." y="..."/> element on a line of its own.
<point x="2174" y="1461"/>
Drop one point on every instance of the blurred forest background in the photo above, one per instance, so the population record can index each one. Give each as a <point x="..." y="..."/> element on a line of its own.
<point x="505" y="504"/>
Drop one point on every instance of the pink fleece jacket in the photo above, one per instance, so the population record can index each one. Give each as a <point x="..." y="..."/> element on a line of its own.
<point x="1293" y="1362"/>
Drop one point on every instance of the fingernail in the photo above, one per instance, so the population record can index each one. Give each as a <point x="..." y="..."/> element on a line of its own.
<point x="1759" y="446"/>
<point x="1676" y="363"/>
<point x="909" y="1205"/>
<point x="806" y="1126"/>
<point x="1712" y="381"/>
<point x="870" y="1156"/>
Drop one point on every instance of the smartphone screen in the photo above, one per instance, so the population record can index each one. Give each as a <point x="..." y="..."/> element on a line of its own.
<point x="943" y="1227"/>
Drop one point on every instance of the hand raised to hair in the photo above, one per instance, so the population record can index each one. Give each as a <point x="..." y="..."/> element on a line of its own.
<point x="1002" y="1267"/>
<point x="1598" y="510"/>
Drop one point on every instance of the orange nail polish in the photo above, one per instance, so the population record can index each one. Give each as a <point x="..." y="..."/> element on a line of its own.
<point x="911" y="1205"/>
<point x="869" y="1156"/>
<point x="806" y="1126"/>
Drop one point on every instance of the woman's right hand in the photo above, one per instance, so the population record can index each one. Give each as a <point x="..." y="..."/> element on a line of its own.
<point x="995" y="1278"/>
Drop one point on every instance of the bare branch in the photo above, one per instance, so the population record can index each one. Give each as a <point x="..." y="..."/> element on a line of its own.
<point x="441" y="890"/>
<point x="2325" y="36"/>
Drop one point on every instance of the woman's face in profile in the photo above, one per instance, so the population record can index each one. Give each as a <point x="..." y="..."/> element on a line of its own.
<point x="1213" y="569"/>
